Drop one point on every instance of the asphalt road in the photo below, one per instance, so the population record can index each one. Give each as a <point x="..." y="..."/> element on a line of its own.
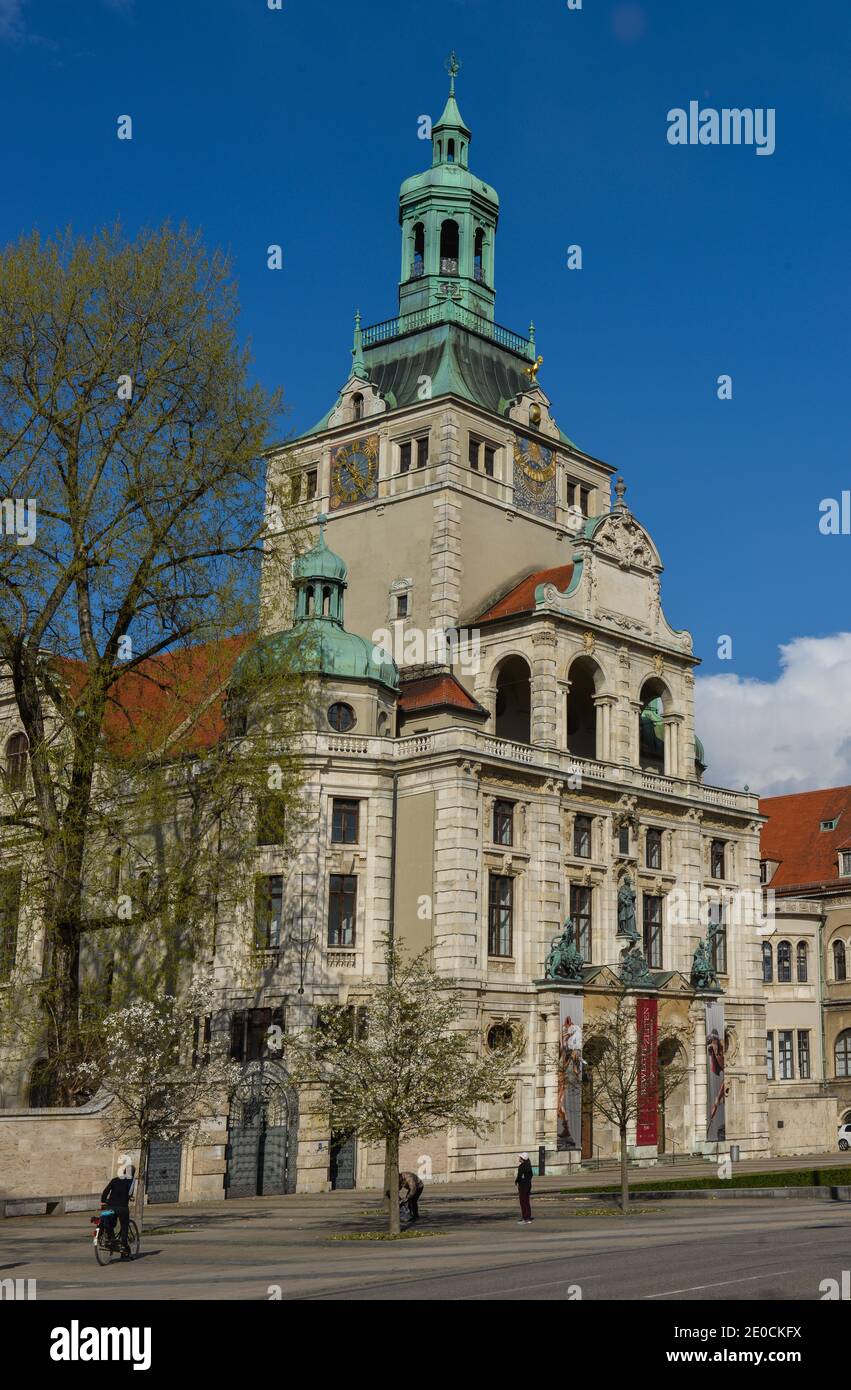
<point x="472" y="1249"/>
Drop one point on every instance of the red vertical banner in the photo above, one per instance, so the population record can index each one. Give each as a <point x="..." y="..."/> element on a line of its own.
<point x="647" y="1042"/>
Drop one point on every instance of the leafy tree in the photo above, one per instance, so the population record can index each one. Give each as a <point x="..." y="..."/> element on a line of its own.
<point x="161" y="1087"/>
<point x="612" y="1046"/>
<point x="411" y="1069"/>
<point x="131" y="435"/>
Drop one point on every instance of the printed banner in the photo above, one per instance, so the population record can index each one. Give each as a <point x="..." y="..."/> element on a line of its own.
<point x="647" y="1033"/>
<point x="716" y="1086"/>
<point x="569" y="1110"/>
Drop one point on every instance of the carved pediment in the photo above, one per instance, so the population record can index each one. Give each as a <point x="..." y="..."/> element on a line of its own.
<point x="621" y="537"/>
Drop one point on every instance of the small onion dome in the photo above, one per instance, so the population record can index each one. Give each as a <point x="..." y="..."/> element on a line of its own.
<point x="315" y="647"/>
<point x="320" y="562"/>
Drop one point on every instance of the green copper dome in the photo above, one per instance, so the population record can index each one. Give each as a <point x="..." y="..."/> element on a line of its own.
<point x="317" y="644"/>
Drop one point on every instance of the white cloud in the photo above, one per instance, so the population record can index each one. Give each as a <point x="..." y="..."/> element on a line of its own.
<point x="788" y="735"/>
<point x="11" y="19"/>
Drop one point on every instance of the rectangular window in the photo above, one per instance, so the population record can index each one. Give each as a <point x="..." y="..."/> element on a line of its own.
<point x="500" y="914"/>
<point x="481" y="456"/>
<point x="623" y="839"/>
<point x="803" y="1054"/>
<point x="401" y="605"/>
<point x="201" y="1041"/>
<point x="718" y="937"/>
<point x="784" y="1055"/>
<point x="490" y="456"/>
<point x="342" y="909"/>
<point x="10" y="907"/>
<point x="345" y="817"/>
<point x="654" y="848"/>
<point x="769" y="1056"/>
<point x="845" y="863"/>
<point x="268" y="911"/>
<point x="405" y="456"/>
<point x="503" y="822"/>
<point x="473" y="452"/>
<point x="582" y="837"/>
<point x="717" y="859"/>
<point x="653" y="930"/>
<point x="763" y="871"/>
<point x="422" y="451"/>
<point x="250" y="1039"/>
<point x="580" y="912"/>
<point x="312" y="476"/>
<point x="271" y="820"/>
<point x="295" y="488"/>
<point x="584" y="500"/>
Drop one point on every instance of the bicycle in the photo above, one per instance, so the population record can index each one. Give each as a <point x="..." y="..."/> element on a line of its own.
<point x="107" y="1244"/>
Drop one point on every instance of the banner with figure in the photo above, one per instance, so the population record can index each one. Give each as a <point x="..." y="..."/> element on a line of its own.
<point x="716" y="1084"/>
<point x="569" y="1109"/>
<point x="647" y="1042"/>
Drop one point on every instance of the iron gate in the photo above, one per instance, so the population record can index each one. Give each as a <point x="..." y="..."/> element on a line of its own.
<point x="163" y="1179"/>
<point x="258" y="1135"/>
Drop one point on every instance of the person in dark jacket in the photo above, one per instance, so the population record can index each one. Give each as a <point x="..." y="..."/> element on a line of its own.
<point x="410" y="1191"/>
<point x="117" y="1195"/>
<point x="523" y="1182"/>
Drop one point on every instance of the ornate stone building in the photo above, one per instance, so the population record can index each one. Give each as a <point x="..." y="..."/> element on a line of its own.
<point x="538" y="744"/>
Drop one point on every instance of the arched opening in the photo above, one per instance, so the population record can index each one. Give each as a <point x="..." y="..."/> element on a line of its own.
<point x="784" y="963"/>
<point x="839" y="963"/>
<point x="16" y="762"/>
<point x="514" y="701"/>
<point x="842" y="1053"/>
<point x="326" y="600"/>
<point x="581" y="710"/>
<point x="450" y="151"/>
<point x="357" y="406"/>
<point x="439" y="151"/>
<point x="41" y="1090"/>
<point x="672" y="1098"/>
<point x="418" y="267"/>
<point x="653" y="698"/>
<point x="449" y="240"/>
<point x="802" y="962"/>
<point x="478" y="256"/>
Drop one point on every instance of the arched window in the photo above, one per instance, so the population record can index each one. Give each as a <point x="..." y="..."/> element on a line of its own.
<point x="767" y="963"/>
<point x="581" y="710"/>
<point x="839" y="961"/>
<point x="326" y="600"/>
<point x="784" y="963"/>
<point x="418" y="267"/>
<point x="439" y="151"/>
<point x="449" y="247"/>
<point x="478" y="257"/>
<point x="514" y="701"/>
<point x="450" y="151"/>
<point x="802" y="956"/>
<point x="842" y="1053"/>
<point x="357" y="406"/>
<point x="16" y="762"/>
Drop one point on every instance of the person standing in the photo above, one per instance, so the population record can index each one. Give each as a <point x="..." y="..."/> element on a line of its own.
<point x="523" y="1182"/>
<point x="410" y="1191"/>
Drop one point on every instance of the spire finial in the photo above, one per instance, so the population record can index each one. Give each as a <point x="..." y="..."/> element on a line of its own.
<point x="620" y="491"/>
<point x="321" y="521"/>
<point x="453" y="67"/>
<point x="358" y="364"/>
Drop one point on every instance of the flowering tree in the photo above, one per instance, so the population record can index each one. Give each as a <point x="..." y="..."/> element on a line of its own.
<point x="410" y="1069"/>
<point x="159" y="1089"/>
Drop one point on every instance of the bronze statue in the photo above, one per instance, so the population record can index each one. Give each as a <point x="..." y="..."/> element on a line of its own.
<point x="634" y="969"/>
<point x="564" y="961"/>
<point x="703" y="974"/>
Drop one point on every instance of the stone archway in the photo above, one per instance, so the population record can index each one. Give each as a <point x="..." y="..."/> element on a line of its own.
<point x="262" y="1133"/>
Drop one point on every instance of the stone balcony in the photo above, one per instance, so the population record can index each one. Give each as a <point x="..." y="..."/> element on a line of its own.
<point x="554" y="763"/>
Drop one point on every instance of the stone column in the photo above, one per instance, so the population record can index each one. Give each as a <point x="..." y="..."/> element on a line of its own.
<point x="604" y="706"/>
<point x="544" y="689"/>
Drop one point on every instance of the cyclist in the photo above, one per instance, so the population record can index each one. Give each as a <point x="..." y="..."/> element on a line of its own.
<point x="117" y="1194"/>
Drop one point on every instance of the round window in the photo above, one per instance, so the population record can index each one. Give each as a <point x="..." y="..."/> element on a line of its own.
<point x="341" y="717"/>
<point x="500" y="1035"/>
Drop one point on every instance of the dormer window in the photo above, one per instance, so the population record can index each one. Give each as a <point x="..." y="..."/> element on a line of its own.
<point x="829" y="824"/>
<point x="357" y="406"/>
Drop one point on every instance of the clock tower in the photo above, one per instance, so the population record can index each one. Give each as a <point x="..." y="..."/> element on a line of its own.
<point x="440" y="465"/>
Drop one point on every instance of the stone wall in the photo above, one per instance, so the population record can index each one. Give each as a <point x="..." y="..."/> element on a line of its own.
<point x="55" y="1153"/>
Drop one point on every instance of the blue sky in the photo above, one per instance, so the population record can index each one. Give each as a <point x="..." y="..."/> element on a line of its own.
<point x="298" y="126"/>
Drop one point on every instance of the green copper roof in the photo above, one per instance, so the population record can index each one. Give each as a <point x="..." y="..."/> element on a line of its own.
<point x="320" y="562"/>
<point x="317" y="647"/>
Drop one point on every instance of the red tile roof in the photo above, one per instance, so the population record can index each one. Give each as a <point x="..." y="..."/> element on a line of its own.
<point x="791" y="835"/>
<point x="437" y="692"/>
<point x="521" y="597"/>
<point x="173" y="699"/>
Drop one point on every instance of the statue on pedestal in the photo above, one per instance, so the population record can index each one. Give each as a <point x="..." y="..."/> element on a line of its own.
<point x="703" y="974"/>
<point x="634" y="968"/>
<point x="626" y="910"/>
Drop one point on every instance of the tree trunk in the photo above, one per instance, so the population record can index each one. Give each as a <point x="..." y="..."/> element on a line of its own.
<point x="624" y="1174"/>
<point x="391" y="1182"/>
<point x="141" y="1185"/>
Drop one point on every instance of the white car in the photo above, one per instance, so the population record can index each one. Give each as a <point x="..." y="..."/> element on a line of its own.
<point x="843" y="1134"/>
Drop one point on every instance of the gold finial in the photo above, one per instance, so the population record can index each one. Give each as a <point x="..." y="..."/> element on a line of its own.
<point x="532" y="370"/>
